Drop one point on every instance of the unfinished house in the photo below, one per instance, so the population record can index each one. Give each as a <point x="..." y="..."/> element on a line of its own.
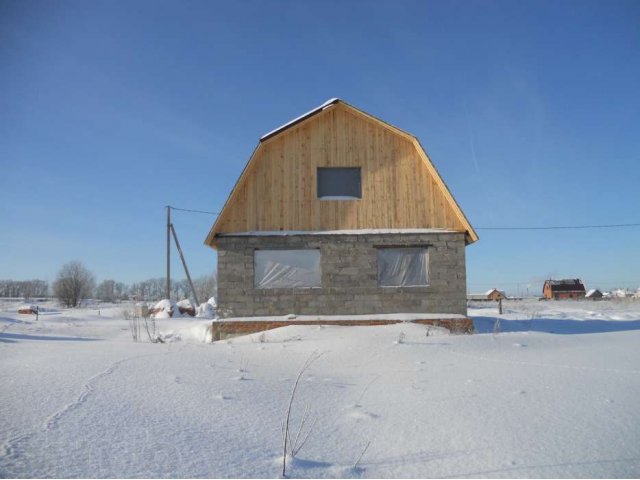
<point x="572" y="288"/>
<point x="340" y="213"/>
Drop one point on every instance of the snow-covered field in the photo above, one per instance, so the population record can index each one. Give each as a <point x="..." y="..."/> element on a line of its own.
<point x="554" y="394"/>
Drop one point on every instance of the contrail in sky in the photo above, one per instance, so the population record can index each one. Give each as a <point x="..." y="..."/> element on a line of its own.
<point x="471" y="142"/>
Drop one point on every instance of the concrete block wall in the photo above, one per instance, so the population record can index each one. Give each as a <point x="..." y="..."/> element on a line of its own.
<point x="349" y="276"/>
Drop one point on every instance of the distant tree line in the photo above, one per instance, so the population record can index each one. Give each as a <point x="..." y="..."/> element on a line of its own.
<point x="74" y="282"/>
<point x="155" y="288"/>
<point x="24" y="288"/>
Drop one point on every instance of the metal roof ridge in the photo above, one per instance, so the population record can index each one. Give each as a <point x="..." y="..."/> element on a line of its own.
<point x="300" y="118"/>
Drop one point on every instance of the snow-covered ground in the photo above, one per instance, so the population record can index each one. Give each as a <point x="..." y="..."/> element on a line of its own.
<point x="554" y="394"/>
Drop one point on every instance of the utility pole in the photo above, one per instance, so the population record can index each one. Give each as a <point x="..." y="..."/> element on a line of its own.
<point x="168" y="252"/>
<point x="184" y="264"/>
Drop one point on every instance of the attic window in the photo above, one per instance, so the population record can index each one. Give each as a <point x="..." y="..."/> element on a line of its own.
<point x="339" y="183"/>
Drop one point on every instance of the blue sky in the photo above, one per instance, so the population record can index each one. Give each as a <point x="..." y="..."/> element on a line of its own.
<point x="110" y="110"/>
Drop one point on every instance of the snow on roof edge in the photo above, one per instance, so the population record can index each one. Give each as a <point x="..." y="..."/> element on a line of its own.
<point x="366" y="231"/>
<point x="299" y="118"/>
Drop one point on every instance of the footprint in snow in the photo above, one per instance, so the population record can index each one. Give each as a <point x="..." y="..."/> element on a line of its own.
<point x="175" y="379"/>
<point x="222" y="397"/>
<point x="356" y="412"/>
<point x="359" y="415"/>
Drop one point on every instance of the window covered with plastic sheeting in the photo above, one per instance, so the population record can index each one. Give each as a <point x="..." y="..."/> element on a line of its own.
<point x="403" y="267"/>
<point x="287" y="268"/>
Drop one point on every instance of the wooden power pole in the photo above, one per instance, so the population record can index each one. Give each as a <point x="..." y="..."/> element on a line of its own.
<point x="184" y="264"/>
<point x="171" y="230"/>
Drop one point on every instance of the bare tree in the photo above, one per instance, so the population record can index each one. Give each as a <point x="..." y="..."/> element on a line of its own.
<point x="206" y="287"/>
<point x="106" y="291"/>
<point x="154" y="289"/>
<point x="73" y="283"/>
<point x="110" y="291"/>
<point x="33" y="288"/>
<point x="121" y="291"/>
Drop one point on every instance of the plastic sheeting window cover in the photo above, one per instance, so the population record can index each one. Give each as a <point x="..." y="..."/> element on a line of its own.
<point x="403" y="267"/>
<point x="287" y="268"/>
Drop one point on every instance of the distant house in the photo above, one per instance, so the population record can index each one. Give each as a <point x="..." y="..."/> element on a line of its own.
<point x="594" y="294"/>
<point x="493" y="294"/>
<point x="563" y="289"/>
<point x="621" y="293"/>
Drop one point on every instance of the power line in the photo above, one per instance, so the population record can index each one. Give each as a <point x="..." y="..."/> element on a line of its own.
<point x="556" y="227"/>
<point x="193" y="211"/>
<point x="563" y="227"/>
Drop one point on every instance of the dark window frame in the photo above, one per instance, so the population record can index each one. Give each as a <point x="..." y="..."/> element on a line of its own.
<point x="327" y="177"/>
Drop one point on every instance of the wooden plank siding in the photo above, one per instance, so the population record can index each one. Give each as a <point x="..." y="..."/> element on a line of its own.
<point x="400" y="186"/>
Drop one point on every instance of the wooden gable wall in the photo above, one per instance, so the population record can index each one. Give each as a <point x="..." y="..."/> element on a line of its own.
<point x="277" y="191"/>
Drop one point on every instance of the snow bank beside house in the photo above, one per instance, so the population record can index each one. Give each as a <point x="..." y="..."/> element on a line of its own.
<point x="171" y="309"/>
<point x="186" y="303"/>
<point x="205" y="310"/>
<point x="186" y="307"/>
<point x="195" y="331"/>
<point x="209" y="309"/>
<point x="164" y="309"/>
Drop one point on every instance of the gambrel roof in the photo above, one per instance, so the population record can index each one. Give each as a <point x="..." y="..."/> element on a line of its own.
<point x="401" y="187"/>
